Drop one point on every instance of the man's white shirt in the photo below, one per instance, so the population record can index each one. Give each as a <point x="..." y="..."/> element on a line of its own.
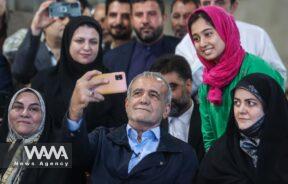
<point x="179" y="126"/>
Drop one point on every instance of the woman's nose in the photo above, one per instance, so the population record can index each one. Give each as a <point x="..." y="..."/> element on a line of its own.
<point x="25" y="112"/>
<point x="86" y="46"/>
<point x="203" y="42"/>
<point x="242" y="109"/>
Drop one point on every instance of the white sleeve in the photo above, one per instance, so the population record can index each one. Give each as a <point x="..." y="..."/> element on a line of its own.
<point x="269" y="54"/>
<point x="256" y="41"/>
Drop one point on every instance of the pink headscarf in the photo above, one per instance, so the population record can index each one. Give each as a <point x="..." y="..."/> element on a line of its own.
<point x="219" y="75"/>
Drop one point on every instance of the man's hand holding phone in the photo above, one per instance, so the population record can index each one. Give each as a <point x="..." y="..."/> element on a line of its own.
<point x="41" y="18"/>
<point x="91" y="87"/>
<point x="84" y="93"/>
<point x="49" y="11"/>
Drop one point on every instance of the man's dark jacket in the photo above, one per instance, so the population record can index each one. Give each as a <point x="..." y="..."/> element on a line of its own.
<point x="119" y="59"/>
<point x="32" y="56"/>
<point x="108" y="153"/>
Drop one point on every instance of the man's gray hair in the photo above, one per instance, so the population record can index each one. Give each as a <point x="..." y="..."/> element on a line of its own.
<point x="154" y="75"/>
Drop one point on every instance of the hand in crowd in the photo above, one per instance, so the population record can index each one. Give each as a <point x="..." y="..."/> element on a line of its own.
<point x="84" y="93"/>
<point x="41" y="18"/>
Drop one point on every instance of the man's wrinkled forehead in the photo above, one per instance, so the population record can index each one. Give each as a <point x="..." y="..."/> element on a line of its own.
<point x="149" y="80"/>
<point x="150" y="83"/>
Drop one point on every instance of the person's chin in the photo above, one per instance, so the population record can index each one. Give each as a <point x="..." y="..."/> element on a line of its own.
<point x="243" y="125"/>
<point x="85" y="61"/>
<point x="180" y="33"/>
<point x="142" y="113"/>
<point x="146" y="34"/>
<point x="24" y="131"/>
<point x="209" y="57"/>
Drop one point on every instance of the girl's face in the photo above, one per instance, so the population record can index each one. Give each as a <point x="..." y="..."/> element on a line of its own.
<point x="84" y="45"/>
<point x="25" y="115"/>
<point x="207" y="41"/>
<point x="247" y="109"/>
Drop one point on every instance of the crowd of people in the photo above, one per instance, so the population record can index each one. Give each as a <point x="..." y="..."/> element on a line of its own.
<point x="206" y="105"/>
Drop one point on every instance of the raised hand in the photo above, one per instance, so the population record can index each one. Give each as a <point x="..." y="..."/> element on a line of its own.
<point x="41" y="18"/>
<point x="84" y="93"/>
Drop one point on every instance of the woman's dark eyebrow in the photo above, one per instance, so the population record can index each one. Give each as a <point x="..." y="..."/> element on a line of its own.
<point x="250" y="99"/>
<point x="20" y="103"/>
<point x="37" y="104"/>
<point x="17" y="102"/>
<point x="207" y="29"/>
<point x="245" y="99"/>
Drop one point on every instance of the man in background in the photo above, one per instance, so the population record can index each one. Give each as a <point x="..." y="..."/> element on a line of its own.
<point x="137" y="56"/>
<point x="180" y="12"/>
<point x="33" y="54"/>
<point x="184" y="118"/>
<point x="118" y="21"/>
<point x="99" y="14"/>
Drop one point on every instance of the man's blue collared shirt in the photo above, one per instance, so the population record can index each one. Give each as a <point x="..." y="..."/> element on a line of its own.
<point x="149" y="143"/>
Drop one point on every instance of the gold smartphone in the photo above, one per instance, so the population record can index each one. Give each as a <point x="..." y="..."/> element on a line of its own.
<point x="117" y="83"/>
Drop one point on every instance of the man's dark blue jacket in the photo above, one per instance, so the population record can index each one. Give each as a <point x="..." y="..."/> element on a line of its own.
<point x="108" y="153"/>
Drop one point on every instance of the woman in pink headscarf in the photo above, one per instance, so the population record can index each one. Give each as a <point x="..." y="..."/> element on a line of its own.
<point x="216" y="38"/>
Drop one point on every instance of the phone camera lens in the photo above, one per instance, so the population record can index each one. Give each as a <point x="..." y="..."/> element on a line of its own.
<point x="118" y="77"/>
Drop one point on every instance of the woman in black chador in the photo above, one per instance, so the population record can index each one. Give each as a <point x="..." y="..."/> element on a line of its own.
<point x="254" y="148"/>
<point x="80" y="52"/>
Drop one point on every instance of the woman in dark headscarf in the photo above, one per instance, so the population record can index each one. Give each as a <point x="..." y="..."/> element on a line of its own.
<point x="80" y="52"/>
<point x="26" y="123"/>
<point x="216" y="38"/>
<point x="254" y="148"/>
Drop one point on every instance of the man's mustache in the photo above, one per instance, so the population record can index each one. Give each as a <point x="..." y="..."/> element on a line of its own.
<point x="146" y="27"/>
<point x="118" y="26"/>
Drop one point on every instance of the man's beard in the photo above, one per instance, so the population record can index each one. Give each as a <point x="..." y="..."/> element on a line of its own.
<point x="180" y="32"/>
<point x="150" y="38"/>
<point x="124" y="34"/>
<point x="178" y="107"/>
